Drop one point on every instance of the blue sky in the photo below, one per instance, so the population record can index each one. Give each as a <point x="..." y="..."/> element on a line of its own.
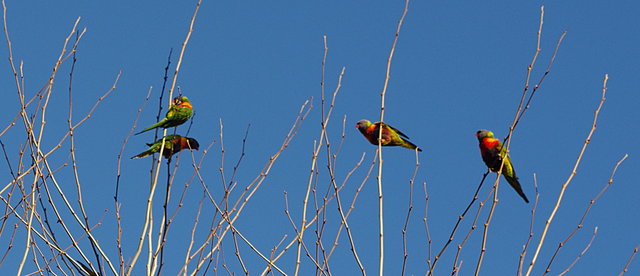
<point x="458" y="67"/>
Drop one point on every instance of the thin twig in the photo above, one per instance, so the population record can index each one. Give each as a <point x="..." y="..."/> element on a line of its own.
<point x="323" y="207"/>
<point x="530" y="237"/>
<point x="626" y="266"/>
<point x="406" y="222"/>
<point x="318" y="146"/>
<point x="586" y="212"/>
<point x="255" y="184"/>
<point x="573" y="173"/>
<point x="595" y="231"/>
<point x="426" y="223"/>
<point x="456" y="268"/>
<point x="455" y="227"/>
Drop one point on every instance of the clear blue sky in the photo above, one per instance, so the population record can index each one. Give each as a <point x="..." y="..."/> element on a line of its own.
<point x="458" y="67"/>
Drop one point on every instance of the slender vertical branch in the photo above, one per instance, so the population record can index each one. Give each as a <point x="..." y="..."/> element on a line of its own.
<point x="314" y="158"/>
<point x="426" y="223"/>
<point x="406" y="222"/>
<point x="148" y="214"/>
<point x="533" y="215"/>
<point x="485" y="231"/>
<point x="382" y="107"/>
<point x="73" y="155"/>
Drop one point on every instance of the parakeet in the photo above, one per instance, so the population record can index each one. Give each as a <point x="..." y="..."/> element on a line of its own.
<point x="492" y="154"/>
<point x="172" y="145"/>
<point x="179" y="112"/>
<point x="390" y="135"/>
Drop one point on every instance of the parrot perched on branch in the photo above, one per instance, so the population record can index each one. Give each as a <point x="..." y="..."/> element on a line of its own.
<point x="390" y="135"/>
<point x="172" y="145"/>
<point x="493" y="153"/>
<point x="179" y="112"/>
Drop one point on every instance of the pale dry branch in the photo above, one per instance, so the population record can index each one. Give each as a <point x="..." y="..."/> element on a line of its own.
<point x="595" y="232"/>
<point x="426" y="223"/>
<point x="455" y="227"/>
<point x="586" y="212"/>
<point x="568" y="181"/>
<point x="382" y="107"/>
<point x="321" y="140"/>
<point x="456" y="268"/>
<point x="406" y="222"/>
<point x="148" y="215"/>
<point x="485" y="230"/>
<point x="251" y="189"/>
<point x="626" y="266"/>
<point x="518" y="116"/>
<point x="353" y="201"/>
<point x="38" y="158"/>
<point x="72" y="150"/>
<point x="530" y="237"/>
<point x="323" y="207"/>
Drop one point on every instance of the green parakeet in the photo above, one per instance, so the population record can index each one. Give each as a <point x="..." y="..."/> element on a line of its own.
<point x="179" y="112"/>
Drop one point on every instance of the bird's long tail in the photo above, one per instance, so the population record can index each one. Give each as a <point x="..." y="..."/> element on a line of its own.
<point x="156" y="125"/>
<point x="513" y="181"/>
<point x="146" y="129"/>
<point x="142" y="154"/>
<point x="410" y="145"/>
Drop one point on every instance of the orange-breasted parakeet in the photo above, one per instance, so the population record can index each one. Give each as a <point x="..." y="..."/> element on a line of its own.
<point x="179" y="112"/>
<point x="492" y="154"/>
<point x="172" y="145"/>
<point x="390" y="135"/>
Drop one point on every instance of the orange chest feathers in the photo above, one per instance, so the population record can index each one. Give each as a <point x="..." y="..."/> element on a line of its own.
<point x="185" y="105"/>
<point x="489" y="143"/>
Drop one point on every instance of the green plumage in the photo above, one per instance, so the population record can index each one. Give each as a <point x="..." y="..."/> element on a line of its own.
<point x="172" y="145"/>
<point x="179" y="112"/>
<point x="493" y="153"/>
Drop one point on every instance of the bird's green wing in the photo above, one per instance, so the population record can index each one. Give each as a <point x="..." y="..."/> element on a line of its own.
<point x="397" y="131"/>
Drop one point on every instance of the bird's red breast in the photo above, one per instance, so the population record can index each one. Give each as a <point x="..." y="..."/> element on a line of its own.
<point x="488" y="143"/>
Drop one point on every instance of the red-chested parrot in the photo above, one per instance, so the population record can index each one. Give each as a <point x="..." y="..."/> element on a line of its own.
<point x="390" y="135"/>
<point x="172" y="145"/>
<point x="492" y="154"/>
<point x="179" y="112"/>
